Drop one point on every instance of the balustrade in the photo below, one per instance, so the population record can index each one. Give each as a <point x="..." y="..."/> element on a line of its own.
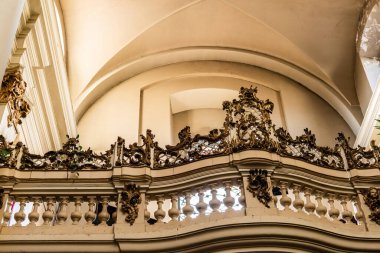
<point x="307" y="201"/>
<point x="64" y="210"/>
<point x="196" y="205"/>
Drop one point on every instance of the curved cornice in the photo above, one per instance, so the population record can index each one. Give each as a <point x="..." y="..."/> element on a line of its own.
<point x="265" y="233"/>
<point x="192" y="54"/>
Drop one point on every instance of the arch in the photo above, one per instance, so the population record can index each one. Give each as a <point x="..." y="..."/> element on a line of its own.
<point x="336" y="99"/>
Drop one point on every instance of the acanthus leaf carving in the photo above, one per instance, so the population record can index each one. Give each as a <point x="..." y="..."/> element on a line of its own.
<point x="372" y="200"/>
<point x="12" y="91"/>
<point x="130" y="199"/>
<point x="71" y="157"/>
<point x="258" y="186"/>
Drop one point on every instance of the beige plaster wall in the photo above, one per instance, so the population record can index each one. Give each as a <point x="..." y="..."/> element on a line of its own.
<point x="144" y="102"/>
<point x="200" y="121"/>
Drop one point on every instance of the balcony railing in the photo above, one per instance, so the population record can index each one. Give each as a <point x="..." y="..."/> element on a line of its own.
<point x="248" y="185"/>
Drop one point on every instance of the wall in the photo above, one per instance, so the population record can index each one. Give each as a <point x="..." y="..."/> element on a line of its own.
<point x="121" y="112"/>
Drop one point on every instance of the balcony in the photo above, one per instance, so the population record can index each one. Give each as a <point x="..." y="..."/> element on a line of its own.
<point x="248" y="186"/>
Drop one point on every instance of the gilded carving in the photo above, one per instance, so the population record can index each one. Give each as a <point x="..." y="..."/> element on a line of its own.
<point x="130" y="199"/>
<point x="259" y="187"/>
<point x="191" y="149"/>
<point x="372" y="200"/>
<point x="359" y="157"/>
<point x="12" y="92"/>
<point x="71" y="157"/>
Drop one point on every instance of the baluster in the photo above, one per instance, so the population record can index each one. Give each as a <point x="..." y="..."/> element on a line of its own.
<point x="228" y="201"/>
<point x="104" y="215"/>
<point x="309" y="206"/>
<point x="76" y="215"/>
<point x="174" y="211"/>
<point x="34" y="215"/>
<point x="321" y="209"/>
<point x="160" y="214"/>
<point x="7" y="213"/>
<point x="285" y="200"/>
<point x="298" y="203"/>
<point x="334" y="212"/>
<point x="146" y="212"/>
<point x="114" y="214"/>
<point x="48" y="215"/>
<point x="359" y="214"/>
<point x="201" y="205"/>
<point x="20" y="215"/>
<point x="214" y="203"/>
<point x="62" y="214"/>
<point x="188" y="210"/>
<point x="241" y="199"/>
<point x="346" y="214"/>
<point x="90" y="215"/>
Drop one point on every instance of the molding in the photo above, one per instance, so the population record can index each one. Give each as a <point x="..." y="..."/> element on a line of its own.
<point x="58" y="63"/>
<point x="367" y="128"/>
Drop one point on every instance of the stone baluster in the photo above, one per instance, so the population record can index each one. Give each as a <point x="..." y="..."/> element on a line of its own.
<point x="76" y="215"/>
<point x="321" y="209"/>
<point x="48" y="215"/>
<point x="7" y="213"/>
<point x="34" y="215"/>
<point x="298" y="203"/>
<point x="214" y="203"/>
<point x="188" y="210"/>
<point x="309" y="206"/>
<point x="333" y="212"/>
<point x="285" y="201"/>
<point x="146" y="212"/>
<point x="346" y="214"/>
<point x="174" y="211"/>
<point x="20" y="215"/>
<point x="241" y="199"/>
<point x="62" y="214"/>
<point x="104" y="215"/>
<point x="90" y="215"/>
<point x="114" y="214"/>
<point x="228" y="201"/>
<point x="201" y="205"/>
<point x="159" y="214"/>
<point x="359" y="213"/>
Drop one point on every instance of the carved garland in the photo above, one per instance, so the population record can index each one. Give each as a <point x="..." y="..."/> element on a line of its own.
<point x="372" y="200"/>
<point x="12" y="91"/>
<point x="258" y="186"/>
<point x="130" y="199"/>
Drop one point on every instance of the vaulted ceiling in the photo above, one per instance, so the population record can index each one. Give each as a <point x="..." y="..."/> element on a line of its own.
<point x="311" y="42"/>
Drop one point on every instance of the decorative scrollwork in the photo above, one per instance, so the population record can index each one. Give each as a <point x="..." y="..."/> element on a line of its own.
<point x="71" y="157"/>
<point x="136" y="155"/>
<point x="305" y="147"/>
<point x="191" y="149"/>
<point x="258" y="186"/>
<point x="130" y="199"/>
<point x="372" y="200"/>
<point x="359" y="157"/>
<point x="12" y="91"/>
<point x="248" y="121"/>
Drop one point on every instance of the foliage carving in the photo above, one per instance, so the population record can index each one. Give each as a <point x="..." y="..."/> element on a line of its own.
<point x="130" y="199"/>
<point x="258" y="186"/>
